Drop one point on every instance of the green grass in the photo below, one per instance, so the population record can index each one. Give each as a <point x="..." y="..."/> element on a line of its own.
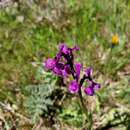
<point x="88" y="23"/>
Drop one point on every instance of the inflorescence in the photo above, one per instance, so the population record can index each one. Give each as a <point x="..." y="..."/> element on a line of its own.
<point x="63" y="65"/>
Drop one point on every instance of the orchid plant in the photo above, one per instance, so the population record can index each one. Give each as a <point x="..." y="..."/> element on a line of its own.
<point x="63" y="65"/>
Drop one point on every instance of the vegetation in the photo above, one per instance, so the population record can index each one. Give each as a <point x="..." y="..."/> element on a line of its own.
<point x="30" y="32"/>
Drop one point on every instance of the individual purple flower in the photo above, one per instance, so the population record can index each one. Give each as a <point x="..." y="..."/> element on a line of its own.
<point x="88" y="72"/>
<point x="66" y="71"/>
<point x="58" y="69"/>
<point x="74" y="86"/>
<point x="78" y="67"/>
<point x="89" y="91"/>
<point x="50" y="63"/>
<point x="60" y="65"/>
<point x="64" y="49"/>
<point x="95" y="86"/>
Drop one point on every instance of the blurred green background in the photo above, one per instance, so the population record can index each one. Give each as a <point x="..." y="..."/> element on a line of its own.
<point x="30" y="31"/>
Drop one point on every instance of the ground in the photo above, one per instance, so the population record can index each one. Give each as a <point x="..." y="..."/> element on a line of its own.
<point x="30" y="32"/>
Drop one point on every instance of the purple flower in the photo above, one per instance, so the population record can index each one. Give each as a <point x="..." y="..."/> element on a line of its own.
<point x="74" y="86"/>
<point x="78" y="67"/>
<point x="58" y="56"/>
<point x="58" y="68"/>
<point x="50" y="63"/>
<point x="88" y="72"/>
<point x="64" y="49"/>
<point x="57" y="71"/>
<point x="66" y="71"/>
<point x="95" y="86"/>
<point x="75" y="48"/>
<point x="63" y="65"/>
<point x="89" y="91"/>
<point x="60" y="65"/>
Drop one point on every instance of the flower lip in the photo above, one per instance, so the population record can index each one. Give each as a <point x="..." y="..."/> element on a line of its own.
<point x="50" y="63"/>
<point x="57" y="71"/>
<point x="96" y="86"/>
<point x="74" y="87"/>
<point x="60" y="65"/>
<point x="89" y="91"/>
<point x="66" y="71"/>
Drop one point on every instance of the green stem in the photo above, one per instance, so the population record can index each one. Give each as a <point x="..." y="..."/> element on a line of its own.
<point x="88" y="115"/>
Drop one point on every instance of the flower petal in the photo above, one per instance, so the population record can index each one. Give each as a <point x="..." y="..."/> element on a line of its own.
<point x="78" y="67"/>
<point x="66" y="71"/>
<point x="60" y="65"/>
<point x="75" y="48"/>
<point x="96" y="86"/>
<point x="64" y="49"/>
<point x="89" y="91"/>
<point x="58" y="56"/>
<point x="74" y="87"/>
<point x="57" y="71"/>
<point x="50" y="63"/>
<point x="88" y="72"/>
